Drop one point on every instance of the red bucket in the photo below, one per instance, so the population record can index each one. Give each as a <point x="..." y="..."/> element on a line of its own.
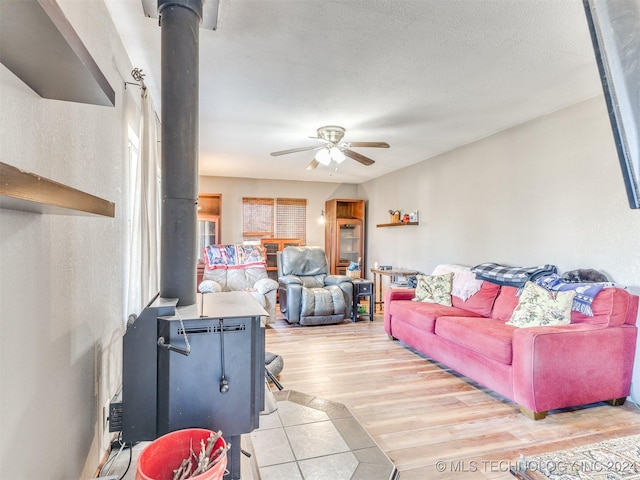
<point x="165" y="454"/>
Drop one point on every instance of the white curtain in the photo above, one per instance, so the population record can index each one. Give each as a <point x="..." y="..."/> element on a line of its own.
<point x="144" y="258"/>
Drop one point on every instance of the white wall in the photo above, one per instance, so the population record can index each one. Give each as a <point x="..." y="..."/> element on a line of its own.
<point x="61" y="276"/>
<point x="548" y="191"/>
<point x="233" y="189"/>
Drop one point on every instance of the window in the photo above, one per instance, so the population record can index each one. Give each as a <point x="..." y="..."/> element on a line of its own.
<point x="291" y="218"/>
<point x="257" y="218"/>
<point x="274" y="218"/>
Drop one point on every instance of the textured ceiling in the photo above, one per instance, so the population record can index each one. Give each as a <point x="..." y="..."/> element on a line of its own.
<point x="426" y="76"/>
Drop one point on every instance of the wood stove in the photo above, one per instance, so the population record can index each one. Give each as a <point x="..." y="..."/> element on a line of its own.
<point x="183" y="370"/>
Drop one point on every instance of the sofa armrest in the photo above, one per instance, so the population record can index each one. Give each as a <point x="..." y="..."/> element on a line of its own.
<point x="290" y="300"/>
<point x="290" y="280"/>
<point x="390" y="295"/>
<point x="562" y="366"/>
<point x="399" y="294"/>
<point x="336" y="279"/>
<point x="209" y="286"/>
<point x="265" y="285"/>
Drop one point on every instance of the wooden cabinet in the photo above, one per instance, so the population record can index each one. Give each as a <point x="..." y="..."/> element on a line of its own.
<point x="344" y="233"/>
<point x="273" y="246"/>
<point x="209" y="210"/>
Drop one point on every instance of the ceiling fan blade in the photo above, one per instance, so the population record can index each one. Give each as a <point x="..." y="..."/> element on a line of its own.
<point x="358" y="157"/>
<point x="369" y="144"/>
<point x="294" y="150"/>
<point x="314" y="163"/>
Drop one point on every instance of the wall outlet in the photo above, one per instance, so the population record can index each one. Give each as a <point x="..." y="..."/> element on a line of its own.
<point x="105" y="416"/>
<point x="115" y="416"/>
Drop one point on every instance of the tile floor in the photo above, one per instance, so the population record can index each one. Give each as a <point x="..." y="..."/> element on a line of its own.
<point x="306" y="438"/>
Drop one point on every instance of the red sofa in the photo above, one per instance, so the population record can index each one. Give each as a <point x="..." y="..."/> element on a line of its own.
<point x="538" y="368"/>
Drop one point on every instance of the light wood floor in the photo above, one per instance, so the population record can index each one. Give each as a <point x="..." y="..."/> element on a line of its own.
<point x="420" y="413"/>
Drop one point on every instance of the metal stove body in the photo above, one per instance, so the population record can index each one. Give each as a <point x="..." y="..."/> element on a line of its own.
<point x="218" y="385"/>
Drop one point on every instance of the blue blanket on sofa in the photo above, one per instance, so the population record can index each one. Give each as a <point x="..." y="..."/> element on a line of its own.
<point x="585" y="292"/>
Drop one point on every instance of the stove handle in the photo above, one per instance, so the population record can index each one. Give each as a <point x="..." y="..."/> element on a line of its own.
<point x="183" y="351"/>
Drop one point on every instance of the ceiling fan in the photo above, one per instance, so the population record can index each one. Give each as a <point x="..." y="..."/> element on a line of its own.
<point x="333" y="149"/>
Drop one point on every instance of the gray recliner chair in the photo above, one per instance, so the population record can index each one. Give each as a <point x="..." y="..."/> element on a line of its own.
<point x="308" y="294"/>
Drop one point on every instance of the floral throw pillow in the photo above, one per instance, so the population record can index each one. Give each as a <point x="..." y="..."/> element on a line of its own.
<point x="434" y="288"/>
<point x="538" y="306"/>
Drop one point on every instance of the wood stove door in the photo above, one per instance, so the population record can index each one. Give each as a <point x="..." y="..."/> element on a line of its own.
<point x="189" y="387"/>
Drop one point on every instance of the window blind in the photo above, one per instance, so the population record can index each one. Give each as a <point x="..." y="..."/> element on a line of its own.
<point x="291" y="218"/>
<point x="257" y="218"/>
<point x="274" y="218"/>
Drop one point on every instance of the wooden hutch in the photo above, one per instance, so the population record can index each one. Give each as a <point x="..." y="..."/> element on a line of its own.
<point x="344" y="232"/>
<point x="272" y="247"/>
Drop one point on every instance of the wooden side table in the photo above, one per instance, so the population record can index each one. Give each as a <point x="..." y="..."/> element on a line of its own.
<point x="393" y="274"/>
<point x="362" y="288"/>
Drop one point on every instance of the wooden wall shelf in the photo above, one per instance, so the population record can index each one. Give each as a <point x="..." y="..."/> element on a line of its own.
<point x="29" y="192"/>
<point x="401" y="224"/>
<point x="40" y="47"/>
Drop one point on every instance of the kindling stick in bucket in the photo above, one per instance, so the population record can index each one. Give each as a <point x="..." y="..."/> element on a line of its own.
<point x="205" y="460"/>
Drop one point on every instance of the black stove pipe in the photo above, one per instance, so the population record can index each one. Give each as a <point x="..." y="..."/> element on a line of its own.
<point x="179" y="20"/>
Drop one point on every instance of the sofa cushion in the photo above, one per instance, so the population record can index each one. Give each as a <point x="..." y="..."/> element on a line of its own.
<point x="609" y="307"/>
<point x="322" y="301"/>
<point x="485" y="336"/>
<point x="434" y="288"/>
<point x="538" y="306"/>
<point x="481" y="302"/>
<point x="421" y="315"/>
<point x="505" y="304"/>
<point x="303" y="261"/>
<point x="236" y="279"/>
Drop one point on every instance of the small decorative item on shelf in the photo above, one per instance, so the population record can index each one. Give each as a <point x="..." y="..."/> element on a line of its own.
<point x="405" y="218"/>
<point x="394" y="216"/>
<point x="413" y="216"/>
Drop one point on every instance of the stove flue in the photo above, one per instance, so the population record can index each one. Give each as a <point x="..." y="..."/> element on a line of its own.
<point x="179" y="22"/>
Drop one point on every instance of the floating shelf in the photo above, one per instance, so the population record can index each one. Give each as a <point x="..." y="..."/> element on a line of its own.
<point x="400" y="224"/>
<point x="29" y="192"/>
<point x="40" y="47"/>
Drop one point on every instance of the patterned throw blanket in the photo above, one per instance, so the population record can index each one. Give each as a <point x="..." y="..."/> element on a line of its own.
<point x="233" y="256"/>
<point x="585" y="292"/>
<point x="511" y="276"/>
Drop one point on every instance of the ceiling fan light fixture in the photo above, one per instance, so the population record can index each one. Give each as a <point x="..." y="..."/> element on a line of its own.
<point x="337" y="155"/>
<point x="324" y="156"/>
<point x="332" y="151"/>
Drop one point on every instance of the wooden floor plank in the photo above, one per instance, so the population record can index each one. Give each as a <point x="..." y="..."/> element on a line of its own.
<point x="421" y="413"/>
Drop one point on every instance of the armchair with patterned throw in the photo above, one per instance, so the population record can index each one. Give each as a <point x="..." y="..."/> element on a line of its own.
<point x="230" y="268"/>
<point x="308" y="294"/>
